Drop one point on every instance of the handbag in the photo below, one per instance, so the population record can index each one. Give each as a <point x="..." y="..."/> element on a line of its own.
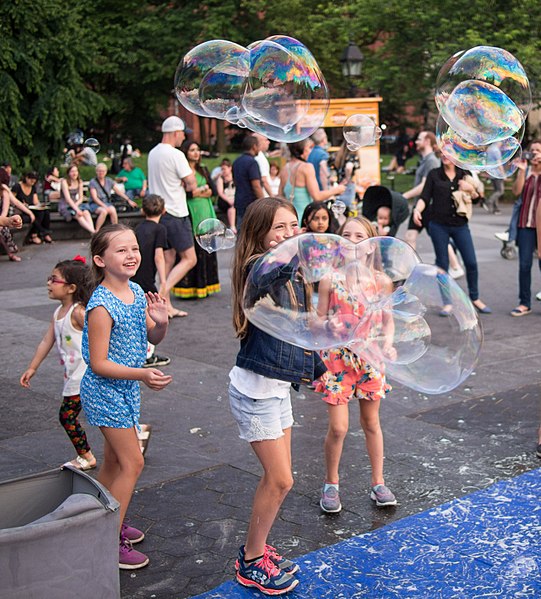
<point x="119" y="203"/>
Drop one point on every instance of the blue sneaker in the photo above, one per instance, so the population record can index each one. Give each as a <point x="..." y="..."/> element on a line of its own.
<point x="265" y="576"/>
<point x="382" y="495"/>
<point x="330" y="499"/>
<point x="286" y="565"/>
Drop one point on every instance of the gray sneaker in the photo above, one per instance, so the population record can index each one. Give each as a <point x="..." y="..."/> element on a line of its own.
<point x="382" y="496"/>
<point x="330" y="499"/>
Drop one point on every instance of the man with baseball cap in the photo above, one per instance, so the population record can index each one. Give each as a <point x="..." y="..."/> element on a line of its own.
<point x="170" y="176"/>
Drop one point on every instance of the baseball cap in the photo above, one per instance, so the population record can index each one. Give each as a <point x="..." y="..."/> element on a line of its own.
<point x="172" y="124"/>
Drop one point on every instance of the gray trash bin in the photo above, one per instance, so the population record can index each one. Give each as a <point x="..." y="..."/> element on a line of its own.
<point x="58" y="537"/>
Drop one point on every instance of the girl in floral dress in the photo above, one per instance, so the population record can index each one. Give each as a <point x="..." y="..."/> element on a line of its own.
<point x="350" y="377"/>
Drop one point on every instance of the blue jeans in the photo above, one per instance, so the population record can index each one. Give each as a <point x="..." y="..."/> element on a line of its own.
<point x="527" y="243"/>
<point x="348" y="196"/>
<point x="461" y="235"/>
<point x="133" y="193"/>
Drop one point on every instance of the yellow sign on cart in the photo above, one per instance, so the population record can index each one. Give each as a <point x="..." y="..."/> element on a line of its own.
<point x="342" y="108"/>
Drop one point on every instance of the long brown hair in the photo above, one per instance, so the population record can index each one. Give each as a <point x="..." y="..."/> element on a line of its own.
<point x="257" y="222"/>
<point x="199" y="167"/>
<point x="69" y="179"/>
<point x="99" y="244"/>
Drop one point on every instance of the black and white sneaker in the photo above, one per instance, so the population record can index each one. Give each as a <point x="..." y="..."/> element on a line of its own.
<point x="156" y="360"/>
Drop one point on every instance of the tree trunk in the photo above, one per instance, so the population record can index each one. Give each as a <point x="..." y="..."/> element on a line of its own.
<point x="220" y="137"/>
<point x="203" y="131"/>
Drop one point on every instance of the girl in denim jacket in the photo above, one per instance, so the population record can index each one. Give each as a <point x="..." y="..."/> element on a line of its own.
<point x="259" y="394"/>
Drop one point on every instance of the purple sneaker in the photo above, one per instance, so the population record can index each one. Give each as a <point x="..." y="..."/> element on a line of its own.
<point x="330" y="499"/>
<point x="382" y="496"/>
<point x="132" y="534"/>
<point x="129" y="558"/>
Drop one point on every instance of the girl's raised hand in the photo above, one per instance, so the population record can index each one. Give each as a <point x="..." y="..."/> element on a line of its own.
<point x="155" y="379"/>
<point x="157" y="308"/>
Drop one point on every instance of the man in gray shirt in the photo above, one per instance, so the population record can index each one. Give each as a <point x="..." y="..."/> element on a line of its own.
<point x="425" y="144"/>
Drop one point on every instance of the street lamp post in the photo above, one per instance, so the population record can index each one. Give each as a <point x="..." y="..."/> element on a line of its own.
<point x="352" y="63"/>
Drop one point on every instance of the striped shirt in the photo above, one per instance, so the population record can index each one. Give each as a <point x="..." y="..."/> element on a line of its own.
<point x="530" y="200"/>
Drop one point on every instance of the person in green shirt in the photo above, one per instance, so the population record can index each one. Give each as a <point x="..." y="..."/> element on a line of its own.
<point x="134" y="179"/>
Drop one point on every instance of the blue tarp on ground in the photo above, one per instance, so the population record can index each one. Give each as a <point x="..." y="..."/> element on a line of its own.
<point x="487" y="544"/>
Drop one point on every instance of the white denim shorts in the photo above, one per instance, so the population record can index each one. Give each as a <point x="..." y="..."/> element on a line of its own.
<point x="260" y="419"/>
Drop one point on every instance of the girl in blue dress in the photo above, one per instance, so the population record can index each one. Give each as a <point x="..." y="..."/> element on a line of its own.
<point x="118" y="321"/>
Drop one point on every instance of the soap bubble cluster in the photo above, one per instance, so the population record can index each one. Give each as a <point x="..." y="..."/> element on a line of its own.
<point x="273" y="87"/>
<point x="320" y="291"/>
<point x="212" y="235"/>
<point x="483" y="96"/>
<point x="359" y="131"/>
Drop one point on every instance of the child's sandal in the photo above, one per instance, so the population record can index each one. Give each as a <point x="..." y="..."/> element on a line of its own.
<point x="82" y="463"/>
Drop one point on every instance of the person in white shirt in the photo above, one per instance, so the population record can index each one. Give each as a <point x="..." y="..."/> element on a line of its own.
<point x="170" y="176"/>
<point x="263" y="163"/>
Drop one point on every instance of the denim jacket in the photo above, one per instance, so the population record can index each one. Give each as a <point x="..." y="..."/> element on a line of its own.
<point x="271" y="357"/>
<point x="276" y="359"/>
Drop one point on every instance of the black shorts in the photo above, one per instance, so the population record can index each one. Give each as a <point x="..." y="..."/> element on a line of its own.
<point x="223" y="206"/>
<point x="412" y="226"/>
<point x="179" y="231"/>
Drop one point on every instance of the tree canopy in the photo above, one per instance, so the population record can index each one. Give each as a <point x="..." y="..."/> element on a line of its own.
<point x="110" y="65"/>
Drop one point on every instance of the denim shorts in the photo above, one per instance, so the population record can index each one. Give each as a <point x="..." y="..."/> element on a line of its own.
<point x="260" y="419"/>
<point x="92" y="207"/>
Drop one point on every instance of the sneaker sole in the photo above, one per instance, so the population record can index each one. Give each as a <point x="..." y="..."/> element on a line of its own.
<point x="133" y="566"/>
<point x="380" y="503"/>
<point x="246" y="582"/>
<point x="328" y="511"/>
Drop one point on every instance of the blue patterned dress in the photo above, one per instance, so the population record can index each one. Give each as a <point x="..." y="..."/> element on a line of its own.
<point x="116" y="402"/>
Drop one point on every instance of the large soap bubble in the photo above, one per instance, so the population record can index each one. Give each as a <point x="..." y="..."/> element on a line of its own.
<point x="277" y="93"/>
<point x="474" y="157"/>
<point x="360" y="130"/>
<point x="492" y="65"/>
<point x="477" y="72"/>
<point x="375" y="297"/>
<point x="481" y="113"/>
<point x="274" y="87"/>
<point x="202" y="64"/>
<point x="212" y="235"/>
<point x="222" y="88"/>
<point x="455" y="340"/>
<point x="483" y="95"/>
<point x="505" y="170"/>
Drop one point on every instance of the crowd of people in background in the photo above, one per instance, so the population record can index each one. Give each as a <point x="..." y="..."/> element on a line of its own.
<point x="311" y="173"/>
<point x="264" y="201"/>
